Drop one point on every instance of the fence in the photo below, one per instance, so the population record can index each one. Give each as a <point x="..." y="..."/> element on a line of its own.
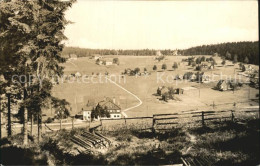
<point x="168" y="121"/>
<point x="157" y="122"/>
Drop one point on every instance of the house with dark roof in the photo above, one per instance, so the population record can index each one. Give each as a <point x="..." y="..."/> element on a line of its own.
<point x="111" y="106"/>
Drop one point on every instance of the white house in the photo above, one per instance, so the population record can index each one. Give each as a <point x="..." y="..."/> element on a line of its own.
<point x="77" y="74"/>
<point x="108" y="63"/>
<point x="73" y="57"/>
<point x="96" y="57"/>
<point x="175" y="52"/>
<point x="158" y="53"/>
<point x="111" y="106"/>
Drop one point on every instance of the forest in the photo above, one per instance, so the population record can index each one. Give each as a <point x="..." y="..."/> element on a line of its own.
<point x="246" y="52"/>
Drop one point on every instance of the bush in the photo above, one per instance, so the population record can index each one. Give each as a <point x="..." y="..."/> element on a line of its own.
<point x="198" y="68"/>
<point x="49" y="120"/>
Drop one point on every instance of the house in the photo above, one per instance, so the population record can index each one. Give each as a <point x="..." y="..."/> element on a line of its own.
<point x="175" y="53"/>
<point x="108" y="63"/>
<point x="201" y="77"/>
<point x="223" y="85"/>
<point x="211" y="67"/>
<point x="254" y="81"/>
<point x="178" y="77"/>
<point x="162" y="90"/>
<point x="158" y="53"/>
<point x="77" y="74"/>
<point x="111" y="106"/>
<point x="85" y="112"/>
<point x="73" y="57"/>
<point x="96" y="57"/>
<point x="66" y="56"/>
<point x="128" y="71"/>
<point x="193" y="77"/>
<point x="179" y="91"/>
<point x="205" y="64"/>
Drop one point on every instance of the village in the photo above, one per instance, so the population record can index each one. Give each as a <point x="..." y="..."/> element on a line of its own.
<point x="186" y="76"/>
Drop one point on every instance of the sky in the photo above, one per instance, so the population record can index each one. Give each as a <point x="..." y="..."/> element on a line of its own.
<point x="160" y="24"/>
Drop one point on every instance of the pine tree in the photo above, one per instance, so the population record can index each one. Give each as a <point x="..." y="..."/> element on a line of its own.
<point x="36" y="29"/>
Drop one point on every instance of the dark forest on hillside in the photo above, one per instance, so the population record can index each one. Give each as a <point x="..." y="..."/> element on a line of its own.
<point x="247" y="52"/>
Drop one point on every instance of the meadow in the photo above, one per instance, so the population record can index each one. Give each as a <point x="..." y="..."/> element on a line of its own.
<point x="200" y="97"/>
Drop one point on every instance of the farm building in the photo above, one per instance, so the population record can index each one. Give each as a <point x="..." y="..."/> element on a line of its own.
<point x="111" y="106"/>
<point x="108" y="62"/>
<point x="205" y="64"/>
<point x="168" y="93"/>
<point x="201" y="77"/>
<point x="85" y="112"/>
<point x="211" y="67"/>
<point x="162" y="90"/>
<point x="179" y="77"/>
<point x="73" y="57"/>
<point x="254" y="81"/>
<point x="193" y="77"/>
<point x="175" y="53"/>
<point x="223" y="85"/>
<point x="96" y="57"/>
<point x="158" y="53"/>
<point x="66" y="56"/>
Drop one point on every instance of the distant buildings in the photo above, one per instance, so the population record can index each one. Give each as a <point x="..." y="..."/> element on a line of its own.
<point x="224" y="85"/>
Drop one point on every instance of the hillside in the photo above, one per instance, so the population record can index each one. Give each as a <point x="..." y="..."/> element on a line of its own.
<point x="247" y="52"/>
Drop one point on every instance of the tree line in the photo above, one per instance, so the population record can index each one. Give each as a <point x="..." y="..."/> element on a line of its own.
<point x="84" y="52"/>
<point x="246" y="52"/>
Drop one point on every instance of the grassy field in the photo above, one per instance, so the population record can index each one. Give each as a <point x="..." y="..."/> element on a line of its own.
<point x="223" y="143"/>
<point x="201" y="97"/>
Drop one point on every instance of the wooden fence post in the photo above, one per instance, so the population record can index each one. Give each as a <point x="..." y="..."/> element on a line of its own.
<point x="153" y="129"/>
<point x="101" y="124"/>
<point x="125" y="123"/>
<point x="202" y="118"/>
<point x="232" y="116"/>
<point x="72" y="119"/>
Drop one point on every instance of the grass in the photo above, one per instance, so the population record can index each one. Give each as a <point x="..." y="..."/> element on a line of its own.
<point x="218" y="144"/>
<point x="78" y="93"/>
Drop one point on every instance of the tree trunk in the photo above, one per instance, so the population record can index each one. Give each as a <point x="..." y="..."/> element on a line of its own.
<point x="0" y="119"/>
<point x="25" y="127"/>
<point x="9" y="127"/>
<point x="39" y="127"/>
<point x="31" y="124"/>
<point x="25" y="121"/>
<point x="60" y="119"/>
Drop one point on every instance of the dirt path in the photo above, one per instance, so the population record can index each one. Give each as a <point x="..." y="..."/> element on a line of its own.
<point x="127" y="109"/>
<point x="130" y="108"/>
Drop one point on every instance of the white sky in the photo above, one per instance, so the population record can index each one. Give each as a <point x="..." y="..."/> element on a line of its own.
<point x="160" y="24"/>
